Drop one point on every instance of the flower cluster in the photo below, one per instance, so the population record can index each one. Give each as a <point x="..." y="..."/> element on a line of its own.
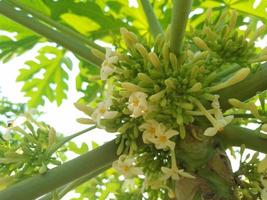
<point x="156" y="95"/>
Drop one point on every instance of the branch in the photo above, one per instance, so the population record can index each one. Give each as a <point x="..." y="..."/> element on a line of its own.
<point x="180" y="12"/>
<point x="256" y="82"/>
<point x="94" y="161"/>
<point x="236" y="136"/>
<point x="62" y="39"/>
<point x="153" y="23"/>
<point x="56" y="25"/>
<point x="65" y="189"/>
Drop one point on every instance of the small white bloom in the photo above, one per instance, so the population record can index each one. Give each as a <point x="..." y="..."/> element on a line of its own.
<point x="151" y="128"/>
<point x="108" y="67"/>
<point x="162" y="140"/>
<point x="220" y="121"/>
<point x="102" y="112"/>
<point x="175" y="173"/>
<point x="126" y="166"/>
<point x="138" y="104"/>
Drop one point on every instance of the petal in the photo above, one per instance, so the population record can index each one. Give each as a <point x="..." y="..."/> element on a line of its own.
<point x="170" y="133"/>
<point x="210" y="131"/>
<point x="185" y="174"/>
<point x="229" y="118"/>
<point x="110" y="114"/>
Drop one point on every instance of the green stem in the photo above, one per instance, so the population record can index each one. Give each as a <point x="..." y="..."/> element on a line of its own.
<point x="65" y="189"/>
<point x="68" y="138"/>
<point x="255" y="82"/>
<point x="180" y="12"/>
<point x="152" y="20"/>
<point x="236" y="136"/>
<point x="56" y="25"/>
<point x="94" y="161"/>
<point x="44" y="30"/>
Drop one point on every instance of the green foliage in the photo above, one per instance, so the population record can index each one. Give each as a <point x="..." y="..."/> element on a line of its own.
<point x="53" y="63"/>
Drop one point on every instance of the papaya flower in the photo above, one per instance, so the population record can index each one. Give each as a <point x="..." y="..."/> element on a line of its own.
<point x="126" y="166"/>
<point x="220" y="120"/>
<point x="150" y="129"/>
<point x="162" y="139"/>
<point x="108" y="67"/>
<point x="102" y="112"/>
<point x="137" y="104"/>
<point x="174" y="173"/>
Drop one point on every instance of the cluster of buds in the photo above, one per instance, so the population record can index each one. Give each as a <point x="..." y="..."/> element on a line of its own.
<point x="155" y="94"/>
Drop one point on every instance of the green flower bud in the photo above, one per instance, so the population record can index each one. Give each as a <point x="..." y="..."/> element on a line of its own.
<point x="187" y="106"/>
<point x="201" y="44"/>
<point x="173" y="60"/>
<point x="85" y="109"/>
<point x="130" y="87"/>
<point x="195" y="88"/>
<point x="142" y="50"/>
<point x="129" y="37"/>
<point x="52" y="137"/>
<point x="157" y="97"/>
<point x="145" y="78"/>
<point x="154" y="60"/>
<point x="85" y="121"/>
<point x="165" y="52"/>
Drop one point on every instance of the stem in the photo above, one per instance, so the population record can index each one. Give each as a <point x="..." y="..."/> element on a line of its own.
<point x="94" y="161"/>
<point x="65" y="189"/>
<point x="57" y="25"/>
<point x="256" y="82"/>
<point x="236" y="136"/>
<point x="44" y="30"/>
<point x="68" y="138"/>
<point x="181" y="10"/>
<point x="153" y="23"/>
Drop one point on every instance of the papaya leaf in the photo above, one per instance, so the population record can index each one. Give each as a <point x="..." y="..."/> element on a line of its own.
<point x="46" y="76"/>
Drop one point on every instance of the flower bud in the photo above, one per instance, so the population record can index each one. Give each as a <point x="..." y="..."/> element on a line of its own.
<point x="51" y="137"/>
<point x="156" y="97"/>
<point x="142" y="50"/>
<point x="173" y="60"/>
<point x="201" y="44"/>
<point x="85" y="121"/>
<point x="240" y="75"/>
<point x="145" y="78"/>
<point x="85" y="109"/>
<point x="130" y="87"/>
<point x="165" y="52"/>
<point x="233" y="20"/>
<point x="129" y="37"/>
<point x="195" y="88"/>
<point x="258" y="32"/>
<point x="187" y="106"/>
<point x="236" y="103"/>
<point x="154" y="60"/>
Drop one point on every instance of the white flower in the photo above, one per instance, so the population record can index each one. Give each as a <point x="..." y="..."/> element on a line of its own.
<point x="126" y="167"/>
<point x="220" y="121"/>
<point x="102" y="112"/>
<point x="174" y="173"/>
<point x="138" y="104"/>
<point x="108" y="66"/>
<point x="162" y="140"/>
<point x="151" y="128"/>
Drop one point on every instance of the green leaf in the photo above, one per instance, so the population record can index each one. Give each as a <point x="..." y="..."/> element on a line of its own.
<point x="79" y="150"/>
<point x="46" y="76"/>
<point x="247" y="7"/>
<point x="14" y="39"/>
